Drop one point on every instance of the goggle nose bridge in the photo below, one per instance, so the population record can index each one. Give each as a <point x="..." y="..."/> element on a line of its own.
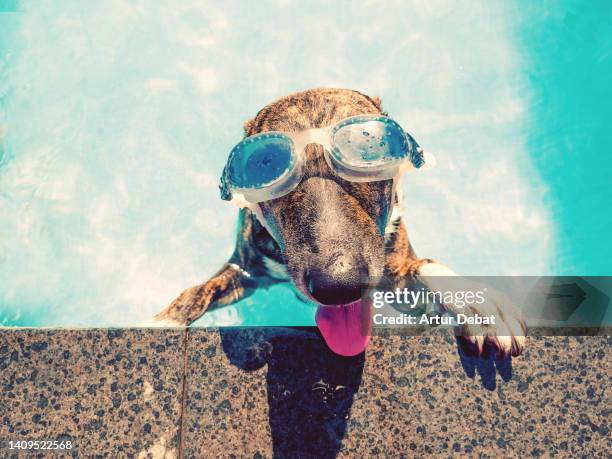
<point x="319" y="136"/>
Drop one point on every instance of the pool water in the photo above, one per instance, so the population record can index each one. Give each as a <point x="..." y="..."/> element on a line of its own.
<point x="116" y="120"/>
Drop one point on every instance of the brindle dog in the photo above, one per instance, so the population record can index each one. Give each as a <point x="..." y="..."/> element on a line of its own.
<point x="329" y="236"/>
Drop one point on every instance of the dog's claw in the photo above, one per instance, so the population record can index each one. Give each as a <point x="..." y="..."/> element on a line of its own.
<point x="492" y="345"/>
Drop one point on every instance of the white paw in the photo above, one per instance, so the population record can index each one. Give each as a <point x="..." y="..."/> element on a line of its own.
<point x="504" y="337"/>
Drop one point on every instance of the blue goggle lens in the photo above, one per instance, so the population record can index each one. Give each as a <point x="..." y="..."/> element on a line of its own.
<point x="260" y="160"/>
<point x="369" y="142"/>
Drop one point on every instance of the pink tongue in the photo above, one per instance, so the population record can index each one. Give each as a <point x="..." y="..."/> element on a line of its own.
<point x="346" y="328"/>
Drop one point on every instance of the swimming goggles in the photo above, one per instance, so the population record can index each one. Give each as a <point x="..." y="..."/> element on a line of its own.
<point x="364" y="148"/>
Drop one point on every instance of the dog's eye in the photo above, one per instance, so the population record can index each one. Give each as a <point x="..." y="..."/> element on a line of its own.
<point x="256" y="164"/>
<point x="370" y="143"/>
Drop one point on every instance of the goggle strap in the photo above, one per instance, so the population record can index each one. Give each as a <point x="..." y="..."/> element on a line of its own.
<point x="224" y="188"/>
<point x="429" y="162"/>
<point x="238" y="200"/>
<point x="256" y="210"/>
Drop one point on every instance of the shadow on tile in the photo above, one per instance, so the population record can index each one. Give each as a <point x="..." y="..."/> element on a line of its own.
<point x="487" y="368"/>
<point x="310" y="389"/>
<point x="275" y="392"/>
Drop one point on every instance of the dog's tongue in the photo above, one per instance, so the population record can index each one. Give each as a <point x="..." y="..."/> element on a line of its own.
<point x="346" y="328"/>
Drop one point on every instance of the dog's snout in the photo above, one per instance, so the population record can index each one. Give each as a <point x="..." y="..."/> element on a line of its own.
<point x="339" y="283"/>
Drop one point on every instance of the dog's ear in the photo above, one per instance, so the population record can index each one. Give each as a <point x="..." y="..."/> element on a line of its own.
<point x="378" y="104"/>
<point x="376" y="100"/>
<point x="248" y="125"/>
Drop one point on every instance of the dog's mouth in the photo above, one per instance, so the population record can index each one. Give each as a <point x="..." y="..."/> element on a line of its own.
<point x="345" y="328"/>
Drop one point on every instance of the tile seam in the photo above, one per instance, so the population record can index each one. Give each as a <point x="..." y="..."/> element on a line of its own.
<point x="181" y="450"/>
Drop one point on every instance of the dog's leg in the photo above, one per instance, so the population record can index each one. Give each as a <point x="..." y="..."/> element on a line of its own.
<point x="231" y="283"/>
<point x="505" y="337"/>
<point x="227" y="286"/>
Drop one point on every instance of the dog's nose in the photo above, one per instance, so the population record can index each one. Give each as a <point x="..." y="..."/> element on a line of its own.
<point x="339" y="285"/>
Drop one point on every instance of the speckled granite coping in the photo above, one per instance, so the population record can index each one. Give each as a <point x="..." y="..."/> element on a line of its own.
<point x="279" y="392"/>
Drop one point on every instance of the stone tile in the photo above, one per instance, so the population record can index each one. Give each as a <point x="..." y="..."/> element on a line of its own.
<point x="112" y="393"/>
<point x="226" y="408"/>
<point x="259" y="392"/>
<point x="555" y="399"/>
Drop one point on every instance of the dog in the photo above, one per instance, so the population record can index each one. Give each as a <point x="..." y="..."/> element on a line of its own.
<point x="328" y="236"/>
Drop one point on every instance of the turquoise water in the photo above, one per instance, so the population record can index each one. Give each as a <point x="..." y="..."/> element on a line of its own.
<point x="568" y="50"/>
<point x="116" y="120"/>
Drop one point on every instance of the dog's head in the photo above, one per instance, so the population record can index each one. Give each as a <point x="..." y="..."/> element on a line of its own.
<point x="329" y="230"/>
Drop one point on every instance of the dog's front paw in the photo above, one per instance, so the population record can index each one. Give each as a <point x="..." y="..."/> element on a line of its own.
<point x="186" y="308"/>
<point x="504" y="335"/>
